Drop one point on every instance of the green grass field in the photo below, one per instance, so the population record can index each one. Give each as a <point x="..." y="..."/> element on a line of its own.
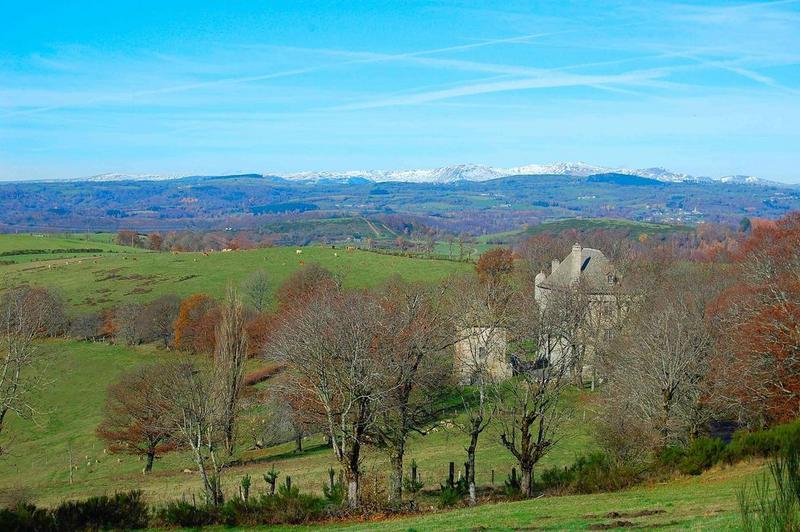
<point x="36" y="467"/>
<point x="30" y="247"/>
<point x="587" y="224"/>
<point x="99" y="281"/>
<point x="705" y="502"/>
<point x="72" y="407"/>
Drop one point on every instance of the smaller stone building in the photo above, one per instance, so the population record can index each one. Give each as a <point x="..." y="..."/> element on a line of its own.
<point x="482" y="350"/>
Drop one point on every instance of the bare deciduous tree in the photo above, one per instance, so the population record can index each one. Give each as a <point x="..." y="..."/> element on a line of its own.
<point x="136" y="412"/>
<point x="480" y="317"/>
<point x="229" y="358"/>
<point x="198" y="420"/>
<point x="159" y="317"/>
<point x="659" y="371"/>
<point x="129" y="323"/>
<point x="26" y="315"/>
<point x="531" y="411"/>
<point x="416" y="335"/>
<point x="257" y="289"/>
<point x="328" y="343"/>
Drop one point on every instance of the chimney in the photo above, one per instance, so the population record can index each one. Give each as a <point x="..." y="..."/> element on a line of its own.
<point x="555" y="265"/>
<point x="577" y="261"/>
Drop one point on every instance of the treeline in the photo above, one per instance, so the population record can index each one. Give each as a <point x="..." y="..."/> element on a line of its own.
<point x="194" y="240"/>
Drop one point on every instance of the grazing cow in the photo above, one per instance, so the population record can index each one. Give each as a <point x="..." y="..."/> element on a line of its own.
<point x="298" y="251"/>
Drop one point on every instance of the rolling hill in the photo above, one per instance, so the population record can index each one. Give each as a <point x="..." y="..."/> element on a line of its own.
<point x="97" y="280"/>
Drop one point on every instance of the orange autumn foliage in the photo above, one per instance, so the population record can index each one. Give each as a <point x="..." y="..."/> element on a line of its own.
<point x="196" y="323"/>
<point x="495" y="264"/>
<point x="759" y="315"/>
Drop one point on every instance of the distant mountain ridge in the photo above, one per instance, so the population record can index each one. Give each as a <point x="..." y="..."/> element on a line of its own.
<point x="470" y="172"/>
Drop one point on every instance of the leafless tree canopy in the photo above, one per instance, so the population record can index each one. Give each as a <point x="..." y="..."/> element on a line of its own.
<point x="198" y="419"/>
<point x="417" y="362"/>
<point x="328" y="342"/>
<point x="229" y="358"/>
<point x="129" y="323"/>
<point x="26" y="315"/>
<point x="658" y="376"/>
<point x="257" y="289"/>
<point x="159" y="319"/>
<point x="531" y="410"/>
<point x="481" y="314"/>
<point x="136" y="413"/>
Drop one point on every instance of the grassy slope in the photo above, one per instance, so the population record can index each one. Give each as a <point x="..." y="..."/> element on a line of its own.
<point x="635" y="228"/>
<point x="707" y="502"/>
<point x="81" y="371"/>
<point x="37" y="465"/>
<point x="22" y="243"/>
<point x="102" y="281"/>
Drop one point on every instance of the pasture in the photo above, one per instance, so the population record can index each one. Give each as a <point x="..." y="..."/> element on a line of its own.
<point x="100" y="280"/>
<point x="72" y="407"/>
<point x="633" y="228"/>
<point x="34" y="247"/>
<point x="41" y="451"/>
<point x="705" y="502"/>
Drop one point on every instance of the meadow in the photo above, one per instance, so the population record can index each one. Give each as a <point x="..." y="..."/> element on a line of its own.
<point x="41" y="451"/>
<point x="633" y="228"/>
<point x="33" y="247"/>
<point x="79" y="372"/>
<point x="120" y="274"/>
<point x="705" y="502"/>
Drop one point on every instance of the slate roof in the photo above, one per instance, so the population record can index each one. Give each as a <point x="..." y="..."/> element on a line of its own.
<point x="595" y="269"/>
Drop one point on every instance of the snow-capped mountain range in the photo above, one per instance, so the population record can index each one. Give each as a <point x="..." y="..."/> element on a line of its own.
<point x="474" y="172"/>
<point x="477" y="172"/>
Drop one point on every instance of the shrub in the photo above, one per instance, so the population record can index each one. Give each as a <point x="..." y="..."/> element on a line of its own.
<point x="589" y="474"/>
<point x="292" y="508"/>
<point x="703" y="454"/>
<point x="452" y="491"/>
<point x="26" y="517"/>
<point x="287" y="506"/>
<point x="412" y="483"/>
<point x="184" y="514"/>
<point x="334" y="489"/>
<point x="122" y="511"/>
<point x="372" y="493"/>
<point x="778" y="439"/>
<point x="670" y="457"/>
<point x="512" y="486"/>
<point x="449" y="496"/>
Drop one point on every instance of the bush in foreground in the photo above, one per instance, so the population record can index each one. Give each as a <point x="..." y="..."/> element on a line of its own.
<point x="122" y="511"/>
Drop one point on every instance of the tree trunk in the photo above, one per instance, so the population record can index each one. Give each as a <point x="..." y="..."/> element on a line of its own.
<point x="151" y="454"/>
<point x="473" y="444"/>
<point x="298" y="442"/>
<point x="526" y="484"/>
<point x="352" y="488"/>
<point x="666" y="407"/>
<point x="396" y="494"/>
<point x="230" y="432"/>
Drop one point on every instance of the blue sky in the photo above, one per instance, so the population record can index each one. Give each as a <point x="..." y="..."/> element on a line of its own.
<point x="187" y="87"/>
